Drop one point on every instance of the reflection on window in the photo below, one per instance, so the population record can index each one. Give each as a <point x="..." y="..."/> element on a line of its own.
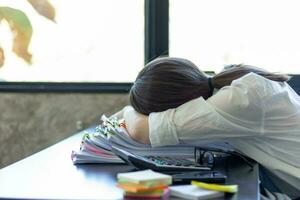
<point x="90" y="41"/>
<point x="215" y="33"/>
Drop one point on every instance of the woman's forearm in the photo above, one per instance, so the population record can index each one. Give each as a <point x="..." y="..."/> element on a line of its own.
<point x="137" y="125"/>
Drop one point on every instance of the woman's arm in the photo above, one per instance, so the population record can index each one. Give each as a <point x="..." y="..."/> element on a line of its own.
<point x="136" y="124"/>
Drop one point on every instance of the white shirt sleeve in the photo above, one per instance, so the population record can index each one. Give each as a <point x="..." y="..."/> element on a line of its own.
<point x="235" y="111"/>
<point x="162" y="133"/>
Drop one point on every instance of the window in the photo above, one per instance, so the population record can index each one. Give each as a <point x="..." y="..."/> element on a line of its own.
<point x="91" y="41"/>
<point x="215" y="33"/>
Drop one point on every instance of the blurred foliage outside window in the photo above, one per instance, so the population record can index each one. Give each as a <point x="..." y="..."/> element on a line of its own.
<point x="71" y="40"/>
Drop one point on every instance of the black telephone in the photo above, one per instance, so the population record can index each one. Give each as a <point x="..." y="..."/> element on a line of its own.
<point x="182" y="170"/>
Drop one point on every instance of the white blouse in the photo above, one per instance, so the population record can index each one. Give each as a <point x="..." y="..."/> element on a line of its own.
<point x="259" y="117"/>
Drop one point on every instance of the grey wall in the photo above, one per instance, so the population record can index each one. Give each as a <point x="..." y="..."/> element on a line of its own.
<point x="30" y="122"/>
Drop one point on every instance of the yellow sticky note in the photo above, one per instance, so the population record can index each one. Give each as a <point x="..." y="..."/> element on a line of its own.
<point x="223" y="188"/>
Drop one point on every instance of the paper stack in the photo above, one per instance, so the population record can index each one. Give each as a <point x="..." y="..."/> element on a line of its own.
<point x="96" y="144"/>
<point x="145" y="184"/>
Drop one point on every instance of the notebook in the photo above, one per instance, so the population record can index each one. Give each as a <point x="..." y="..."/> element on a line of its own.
<point x="193" y="192"/>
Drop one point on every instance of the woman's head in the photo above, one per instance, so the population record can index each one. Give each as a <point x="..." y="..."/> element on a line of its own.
<point x="168" y="82"/>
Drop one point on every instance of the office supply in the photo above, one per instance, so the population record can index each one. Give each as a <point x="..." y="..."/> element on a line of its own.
<point x="204" y="176"/>
<point x="193" y="192"/>
<point x="96" y="144"/>
<point x="158" y="163"/>
<point x="223" y="188"/>
<point x="145" y="184"/>
<point x="164" y="194"/>
<point x="153" y="193"/>
<point x="136" y="188"/>
<point x="145" y="177"/>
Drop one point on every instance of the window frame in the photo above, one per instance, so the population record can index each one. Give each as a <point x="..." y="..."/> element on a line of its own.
<point x="156" y="29"/>
<point x="66" y="87"/>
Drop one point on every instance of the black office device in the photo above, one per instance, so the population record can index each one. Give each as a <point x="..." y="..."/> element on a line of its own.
<point x="182" y="170"/>
<point x="159" y="163"/>
<point x="203" y="176"/>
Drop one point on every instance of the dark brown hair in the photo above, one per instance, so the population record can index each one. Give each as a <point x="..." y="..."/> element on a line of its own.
<point x="169" y="82"/>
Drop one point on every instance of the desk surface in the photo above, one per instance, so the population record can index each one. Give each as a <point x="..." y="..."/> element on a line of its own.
<point x="50" y="174"/>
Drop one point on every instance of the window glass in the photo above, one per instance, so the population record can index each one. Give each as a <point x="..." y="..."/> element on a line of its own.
<point x="215" y="33"/>
<point x="90" y="41"/>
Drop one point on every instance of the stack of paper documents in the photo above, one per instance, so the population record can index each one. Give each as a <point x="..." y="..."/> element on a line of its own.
<point x="145" y="184"/>
<point x="97" y="142"/>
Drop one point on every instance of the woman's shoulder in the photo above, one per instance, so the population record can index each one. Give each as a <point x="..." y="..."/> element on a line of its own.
<point x="255" y="82"/>
<point x="251" y="77"/>
<point x="260" y="85"/>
